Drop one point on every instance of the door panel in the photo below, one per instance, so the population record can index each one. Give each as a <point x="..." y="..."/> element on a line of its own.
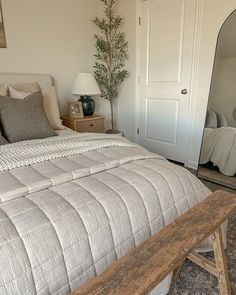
<point x="168" y="57"/>
<point x="158" y="111"/>
<point x="166" y="46"/>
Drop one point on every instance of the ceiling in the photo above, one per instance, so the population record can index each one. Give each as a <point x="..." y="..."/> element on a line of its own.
<point x="227" y="37"/>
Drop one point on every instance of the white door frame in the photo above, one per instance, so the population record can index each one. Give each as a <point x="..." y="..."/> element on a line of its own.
<point x="193" y="88"/>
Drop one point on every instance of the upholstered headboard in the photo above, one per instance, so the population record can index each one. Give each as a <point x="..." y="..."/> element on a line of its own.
<point x="45" y="81"/>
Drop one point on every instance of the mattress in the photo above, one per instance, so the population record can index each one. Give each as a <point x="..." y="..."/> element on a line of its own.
<point x="68" y="218"/>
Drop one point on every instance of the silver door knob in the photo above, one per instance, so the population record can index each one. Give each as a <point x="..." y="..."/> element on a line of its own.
<point x="184" y="91"/>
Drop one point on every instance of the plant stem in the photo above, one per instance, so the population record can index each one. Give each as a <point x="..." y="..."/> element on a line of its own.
<point x="110" y="61"/>
<point x="112" y="115"/>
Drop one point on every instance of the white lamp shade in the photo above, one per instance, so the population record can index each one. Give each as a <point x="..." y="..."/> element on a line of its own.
<point x="85" y="84"/>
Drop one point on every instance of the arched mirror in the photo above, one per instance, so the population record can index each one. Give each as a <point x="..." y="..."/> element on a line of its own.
<point x="217" y="161"/>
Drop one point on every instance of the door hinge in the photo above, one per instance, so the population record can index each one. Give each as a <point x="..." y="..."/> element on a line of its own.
<point x="139" y="20"/>
<point x="138" y="131"/>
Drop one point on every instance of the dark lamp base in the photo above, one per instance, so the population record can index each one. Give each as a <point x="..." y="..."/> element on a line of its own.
<point x="88" y="105"/>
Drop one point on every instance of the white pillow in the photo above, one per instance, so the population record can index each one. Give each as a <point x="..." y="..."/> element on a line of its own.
<point x="49" y="102"/>
<point x="17" y="93"/>
<point x="26" y="87"/>
<point x="51" y="109"/>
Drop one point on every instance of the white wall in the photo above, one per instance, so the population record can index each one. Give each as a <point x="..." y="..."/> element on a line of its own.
<point x="126" y="100"/>
<point x="49" y="36"/>
<point x="214" y="13"/>
<point x="223" y="88"/>
<point x="56" y="37"/>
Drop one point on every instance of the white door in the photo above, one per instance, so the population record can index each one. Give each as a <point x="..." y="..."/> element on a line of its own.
<point x="166" y="49"/>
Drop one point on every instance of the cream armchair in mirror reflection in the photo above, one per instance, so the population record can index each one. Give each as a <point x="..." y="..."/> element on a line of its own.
<point x="217" y="161"/>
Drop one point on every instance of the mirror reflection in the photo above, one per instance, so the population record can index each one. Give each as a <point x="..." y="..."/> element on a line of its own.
<point x="218" y="154"/>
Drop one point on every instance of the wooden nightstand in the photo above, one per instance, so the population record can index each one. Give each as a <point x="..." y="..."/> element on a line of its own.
<point x="93" y="123"/>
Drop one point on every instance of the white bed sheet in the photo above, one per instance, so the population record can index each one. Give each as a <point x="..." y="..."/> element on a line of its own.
<point x="65" y="131"/>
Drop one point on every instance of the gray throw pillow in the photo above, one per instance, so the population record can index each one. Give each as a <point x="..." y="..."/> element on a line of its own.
<point x="24" y="119"/>
<point x="211" y="119"/>
<point x="221" y="121"/>
<point x="3" y="140"/>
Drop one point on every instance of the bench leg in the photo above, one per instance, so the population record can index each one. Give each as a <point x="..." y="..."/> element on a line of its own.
<point x="176" y="272"/>
<point x="221" y="263"/>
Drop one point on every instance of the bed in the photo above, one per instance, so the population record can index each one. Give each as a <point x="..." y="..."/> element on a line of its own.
<point x="70" y="205"/>
<point x="219" y="147"/>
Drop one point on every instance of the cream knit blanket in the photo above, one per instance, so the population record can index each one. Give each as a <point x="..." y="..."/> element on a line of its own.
<point x="30" y="152"/>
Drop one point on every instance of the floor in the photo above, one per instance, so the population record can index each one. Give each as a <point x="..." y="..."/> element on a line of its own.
<point x="193" y="280"/>
<point x="214" y="187"/>
<point x="213" y="174"/>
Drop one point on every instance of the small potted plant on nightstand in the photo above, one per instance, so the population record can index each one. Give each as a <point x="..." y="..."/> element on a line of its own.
<point x="112" y="52"/>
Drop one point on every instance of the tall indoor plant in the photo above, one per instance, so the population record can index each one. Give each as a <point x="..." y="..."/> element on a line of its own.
<point x="111" y="54"/>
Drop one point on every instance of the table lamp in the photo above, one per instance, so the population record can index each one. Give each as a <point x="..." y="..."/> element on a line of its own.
<point x="85" y="86"/>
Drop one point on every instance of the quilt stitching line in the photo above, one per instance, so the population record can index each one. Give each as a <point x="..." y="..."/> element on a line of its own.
<point x="73" y="207"/>
<point x="22" y="185"/>
<point x="103" y="210"/>
<point x="163" y="177"/>
<point x="139" y="194"/>
<point x="27" y="185"/>
<point x="122" y="200"/>
<point x="154" y="188"/>
<point x="181" y="182"/>
<point x="26" y="252"/>
<point x="59" y="242"/>
<point x="68" y="159"/>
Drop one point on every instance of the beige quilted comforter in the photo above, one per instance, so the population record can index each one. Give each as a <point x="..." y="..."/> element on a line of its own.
<point x="64" y="220"/>
<point x="219" y="147"/>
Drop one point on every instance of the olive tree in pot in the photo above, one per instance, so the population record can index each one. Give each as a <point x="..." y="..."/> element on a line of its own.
<point x="111" y="54"/>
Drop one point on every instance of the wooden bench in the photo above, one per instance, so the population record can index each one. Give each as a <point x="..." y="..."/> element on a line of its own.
<point x="147" y="265"/>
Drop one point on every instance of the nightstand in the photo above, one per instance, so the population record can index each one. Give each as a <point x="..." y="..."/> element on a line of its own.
<point x="93" y="123"/>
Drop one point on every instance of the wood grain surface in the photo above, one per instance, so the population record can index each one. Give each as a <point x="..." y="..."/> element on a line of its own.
<point x="221" y="264"/>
